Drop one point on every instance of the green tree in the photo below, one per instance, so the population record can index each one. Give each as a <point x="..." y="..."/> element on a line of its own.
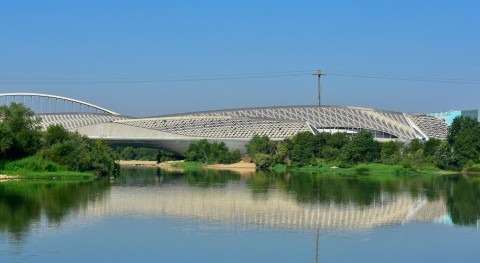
<point x="466" y="146"/>
<point x="303" y="150"/>
<point x="430" y="147"/>
<point x="361" y="149"/>
<point x="211" y="152"/>
<point x="79" y="153"/>
<point x="390" y="152"/>
<point x="263" y="161"/>
<point x="260" y="144"/>
<point x="414" y="146"/>
<point x="459" y="124"/>
<point x="338" y="140"/>
<point x="20" y="133"/>
<point x="102" y="158"/>
<point x="55" y="134"/>
<point x="330" y="153"/>
<point x="444" y="157"/>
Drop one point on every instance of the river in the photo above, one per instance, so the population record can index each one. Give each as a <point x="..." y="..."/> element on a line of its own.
<point x="152" y="215"/>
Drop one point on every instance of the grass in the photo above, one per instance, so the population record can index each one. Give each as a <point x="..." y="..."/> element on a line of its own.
<point x="189" y="165"/>
<point x="362" y="169"/>
<point x="36" y="167"/>
<point x="473" y="169"/>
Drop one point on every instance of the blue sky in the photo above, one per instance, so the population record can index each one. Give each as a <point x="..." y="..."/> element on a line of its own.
<point x="146" y="58"/>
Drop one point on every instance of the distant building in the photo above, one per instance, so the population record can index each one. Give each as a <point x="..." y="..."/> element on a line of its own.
<point x="449" y="116"/>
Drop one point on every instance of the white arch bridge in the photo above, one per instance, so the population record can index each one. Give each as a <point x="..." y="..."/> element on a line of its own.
<point x="235" y="127"/>
<point x="45" y="103"/>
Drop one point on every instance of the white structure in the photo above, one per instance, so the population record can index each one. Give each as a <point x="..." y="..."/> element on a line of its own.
<point x="234" y="127"/>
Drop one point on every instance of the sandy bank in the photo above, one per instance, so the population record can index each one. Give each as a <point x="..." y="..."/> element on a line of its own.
<point x="241" y="166"/>
<point x="137" y="163"/>
<point x="4" y="177"/>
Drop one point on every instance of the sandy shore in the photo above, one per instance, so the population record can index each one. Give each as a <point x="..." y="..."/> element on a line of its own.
<point x="137" y="163"/>
<point x="241" y="166"/>
<point x="4" y="177"/>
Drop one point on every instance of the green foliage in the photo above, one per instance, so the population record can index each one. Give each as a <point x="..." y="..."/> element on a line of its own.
<point x="20" y="134"/>
<point x="211" y="152"/>
<point x="164" y="156"/>
<point x="56" y="149"/>
<point x="144" y="154"/>
<point x="303" y="150"/>
<point x="260" y="144"/>
<point x="459" y="124"/>
<point x="79" y="153"/>
<point x="34" y="163"/>
<point x="414" y="146"/>
<point x="361" y="149"/>
<point x="463" y="146"/>
<point x="444" y="157"/>
<point x="263" y="161"/>
<point x="466" y="146"/>
<point x="431" y="147"/>
<point x="55" y="134"/>
<point x="330" y="153"/>
<point x="390" y="152"/>
<point x="337" y="140"/>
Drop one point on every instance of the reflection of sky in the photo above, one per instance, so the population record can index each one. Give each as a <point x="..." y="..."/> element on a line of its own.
<point x="157" y="239"/>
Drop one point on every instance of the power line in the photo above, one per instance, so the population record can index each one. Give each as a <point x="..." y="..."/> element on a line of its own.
<point x="403" y="78"/>
<point x="184" y="79"/>
<point x="225" y="77"/>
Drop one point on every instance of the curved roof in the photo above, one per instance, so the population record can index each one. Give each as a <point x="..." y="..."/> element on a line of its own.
<point x="325" y="117"/>
<point x="60" y="98"/>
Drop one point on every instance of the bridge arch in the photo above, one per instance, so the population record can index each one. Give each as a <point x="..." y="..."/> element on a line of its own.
<point x="42" y="103"/>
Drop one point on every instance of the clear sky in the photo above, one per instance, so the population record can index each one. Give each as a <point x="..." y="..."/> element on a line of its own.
<point x="146" y="58"/>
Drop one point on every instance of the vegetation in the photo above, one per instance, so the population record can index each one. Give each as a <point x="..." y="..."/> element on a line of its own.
<point x="461" y="150"/>
<point x="27" y="150"/>
<point x="211" y="152"/>
<point x="144" y="154"/>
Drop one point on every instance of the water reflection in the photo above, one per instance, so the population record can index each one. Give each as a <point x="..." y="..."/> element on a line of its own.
<point x="279" y="200"/>
<point x="24" y="203"/>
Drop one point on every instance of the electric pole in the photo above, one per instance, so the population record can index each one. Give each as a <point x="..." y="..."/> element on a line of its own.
<point x="319" y="74"/>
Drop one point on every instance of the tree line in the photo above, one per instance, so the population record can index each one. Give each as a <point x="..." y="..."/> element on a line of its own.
<point x="21" y="137"/>
<point x="460" y="150"/>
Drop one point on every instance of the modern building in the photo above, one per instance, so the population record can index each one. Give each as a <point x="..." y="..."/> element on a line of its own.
<point x="235" y="127"/>
<point x="449" y="116"/>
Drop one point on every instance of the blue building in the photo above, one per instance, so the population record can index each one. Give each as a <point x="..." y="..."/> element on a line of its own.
<point x="448" y="116"/>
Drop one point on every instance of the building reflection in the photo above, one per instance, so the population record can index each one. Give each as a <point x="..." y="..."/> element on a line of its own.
<point x="233" y="205"/>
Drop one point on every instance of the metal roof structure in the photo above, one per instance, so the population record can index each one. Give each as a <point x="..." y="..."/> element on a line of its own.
<point x="234" y="126"/>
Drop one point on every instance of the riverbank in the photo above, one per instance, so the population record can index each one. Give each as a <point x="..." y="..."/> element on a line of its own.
<point x="242" y="166"/>
<point x="366" y="169"/>
<point x="249" y="167"/>
<point x="30" y="175"/>
<point x="4" y="177"/>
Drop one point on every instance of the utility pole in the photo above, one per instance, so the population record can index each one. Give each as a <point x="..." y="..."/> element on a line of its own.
<point x="319" y="74"/>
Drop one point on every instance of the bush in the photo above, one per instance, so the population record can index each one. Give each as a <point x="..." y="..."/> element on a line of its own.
<point x="35" y="163"/>
<point x="263" y="161"/>
<point x="211" y="152"/>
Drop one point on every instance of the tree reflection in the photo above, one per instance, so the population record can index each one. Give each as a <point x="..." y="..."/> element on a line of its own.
<point x="209" y="178"/>
<point x="463" y="200"/>
<point x="462" y="194"/>
<point x="22" y="203"/>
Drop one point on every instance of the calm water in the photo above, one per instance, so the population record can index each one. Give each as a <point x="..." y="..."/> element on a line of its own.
<point x="148" y="215"/>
